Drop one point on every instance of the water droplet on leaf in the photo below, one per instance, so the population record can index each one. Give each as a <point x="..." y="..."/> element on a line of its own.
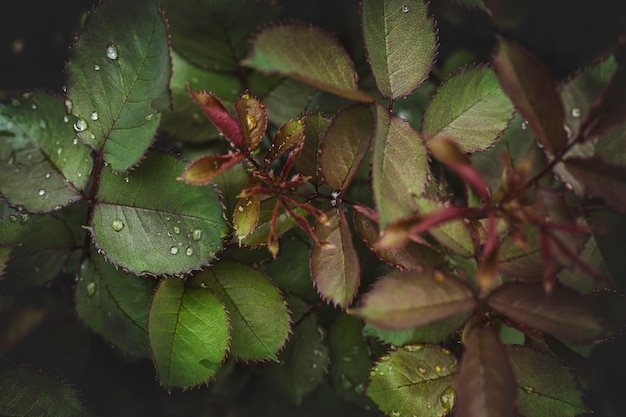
<point x="189" y="251"/>
<point x="524" y="125"/>
<point x="250" y="121"/>
<point x="405" y="9"/>
<point x="174" y="250"/>
<point x="96" y="67"/>
<point x="94" y="115"/>
<point x="48" y="175"/>
<point x="41" y="192"/>
<point x="80" y="125"/>
<point x="117" y="225"/>
<point x="196" y="234"/>
<point x="111" y="52"/>
<point x="576" y="112"/>
<point x="91" y="289"/>
<point x="68" y="105"/>
<point x="448" y="398"/>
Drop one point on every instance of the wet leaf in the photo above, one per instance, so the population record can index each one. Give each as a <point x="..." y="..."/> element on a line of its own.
<point x="183" y="228"/>
<point x="115" y="305"/>
<point x="564" y="314"/>
<point x="315" y="126"/>
<point x="534" y="92"/>
<point x="403" y="300"/>
<point x="414" y="380"/>
<point x="308" y="54"/>
<point x="258" y="314"/>
<point x="345" y="143"/>
<point x="289" y="134"/>
<point x="225" y="122"/>
<point x="430" y="333"/>
<point x="601" y="179"/>
<point x="43" y="166"/>
<point x="117" y="69"/>
<point x="247" y="212"/>
<point x="252" y="118"/>
<point x="401" y="44"/>
<point x="535" y="373"/>
<point x="335" y="271"/>
<point x="486" y="383"/>
<point x="608" y="111"/>
<point x="189" y="334"/>
<point x="27" y="392"/>
<point x="470" y="108"/>
<point x="203" y="170"/>
<point x="399" y="167"/>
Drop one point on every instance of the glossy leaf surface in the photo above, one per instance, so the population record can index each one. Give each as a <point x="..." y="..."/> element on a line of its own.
<point x="189" y="334"/>
<point x="117" y="69"/>
<point x="180" y="230"/>
<point x="252" y="118"/>
<point x="401" y="44"/>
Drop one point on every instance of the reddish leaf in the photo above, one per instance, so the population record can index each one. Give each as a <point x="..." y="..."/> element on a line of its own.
<point x="202" y="170"/>
<point x="346" y="141"/>
<point x="609" y="110"/>
<point x="307" y="163"/>
<point x="335" y="271"/>
<point x="217" y="113"/>
<point x="408" y="299"/>
<point x="534" y="92"/>
<point x="252" y="118"/>
<point x="601" y="179"/>
<point x="288" y="134"/>
<point x="486" y="384"/>
<point x="563" y="313"/>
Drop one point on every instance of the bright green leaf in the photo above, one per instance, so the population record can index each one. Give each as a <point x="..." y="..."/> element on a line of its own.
<point x="399" y="168"/>
<point x="43" y="166"/>
<point x="470" y="108"/>
<point x="114" y="304"/>
<point x="258" y="315"/>
<point x="180" y="230"/>
<point x="401" y="44"/>
<point x="414" y="380"/>
<point x="117" y="69"/>
<point x="189" y="334"/>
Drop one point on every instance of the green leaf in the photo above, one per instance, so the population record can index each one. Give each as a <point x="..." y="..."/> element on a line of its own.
<point x="180" y="230"/>
<point x="430" y="333"/>
<point x="284" y="222"/>
<point x="601" y="179"/>
<point x="214" y="34"/>
<point x="189" y="334"/>
<point x="303" y="363"/>
<point x="535" y="373"/>
<point x="289" y="135"/>
<point x="564" y="313"/>
<point x="469" y="108"/>
<point x="114" y="305"/>
<point x="345" y="143"/>
<point x="403" y="300"/>
<point x="401" y="44"/>
<point x="308" y="54"/>
<point x="43" y="166"/>
<point x="453" y="234"/>
<point x="335" y="271"/>
<point x="39" y="247"/>
<point x="414" y="380"/>
<point x="534" y="92"/>
<point x="117" y="69"/>
<point x="27" y="392"/>
<point x="258" y="314"/>
<point x="486" y="383"/>
<point x="315" y="126"/>
<point x="399" y="167"/>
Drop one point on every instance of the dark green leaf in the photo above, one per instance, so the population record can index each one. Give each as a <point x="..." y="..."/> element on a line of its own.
<point x="116" y="71"/>
<point x="307" y="54"/>
<point x="535" y="373"/>
<point x="470" y="108"/>
<point x="258" y="314"/>
<point x="335" y="271"/>
<point x="114" y="305"/>
<point x="401" y="44"/>
<point x="608" y="111"/>
<point x="486" y="383"/>
<point x="453" y="234"/>
<point x="213" y="34"/>
<point x="534" y="92"/>
<point x="284" y="222"/>
<point x="408" y="299"/>
<point x="399" y="167"/>
<point x="564" y="314"/>
<point x="43" y="166"/>
<point x="430" y="333"/>
<point x="414" y="380"/>
<point x="180" y="230"/>
<point x="27" y="392"/>
<point x="189" y="334"/>
<point x="315" y="126"/>
<point x="601" y="179"/>
<point x="246" y="214"/>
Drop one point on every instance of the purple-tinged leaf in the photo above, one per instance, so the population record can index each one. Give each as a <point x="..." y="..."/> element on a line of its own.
<point x="534" y="92"/>
<point x="225" y="122"/>
<point x="252" y="118"/>
<point x="344" y="145"/>
<point x="486" y="383"/>
<point x="400" y="168"/>
<point x="335" y="271"/>
<point x="307" y="163"/>
<point x="564" y="313"/>
<point x="403" y="300"/>
<point x="288" y="135"/>
<point x="308" y="54"/>
<point x="204" y="169"/>
<point x="401" y="44"/>
<point x="601" y="179"/>
<point x="609" y="110"/>
<point x="261" y="233"/>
